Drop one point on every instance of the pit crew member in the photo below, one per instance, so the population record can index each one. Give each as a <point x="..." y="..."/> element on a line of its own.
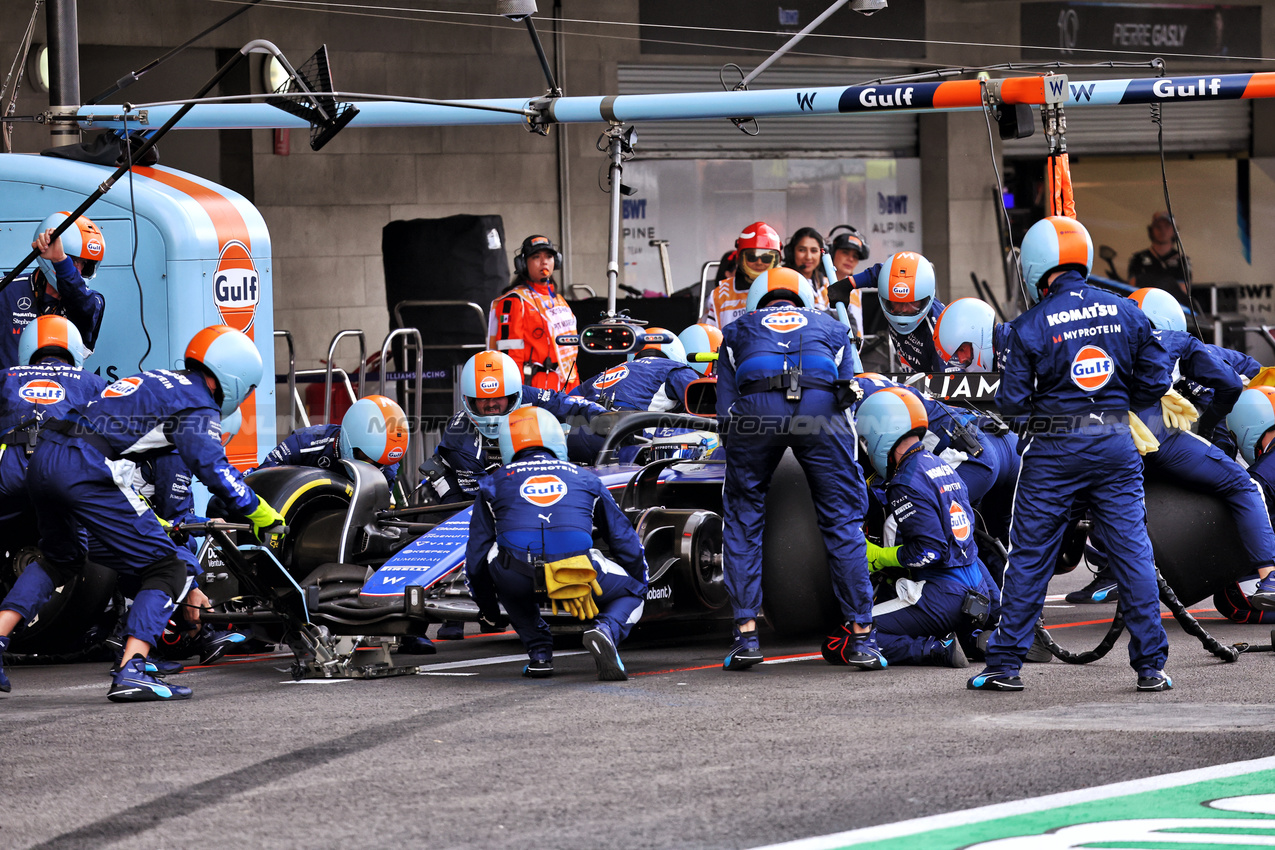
<point x="374" y="430"/>
<point x="526" y="321"/>
<point x="533" y="524"/>
<point x="785" y="381"/>
<point x="1252" y="421"/>
<point x="1076" y="363"/>
<point x="905" y="290"/>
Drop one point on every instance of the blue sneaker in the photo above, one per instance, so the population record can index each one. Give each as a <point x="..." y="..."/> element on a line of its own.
<point x="945" y="652"/>
<point x="995" y="680"/>
<point x="416" y="645"/>
<point x="1263" y="598"/>
<point x="154" y="666"/>
<point x="744" y="652"/>
<point x="451" y="630"/>
<point x="862" y="651"/>
<point x="1154" y="680"/>
<point x="601" y="646"/>
<point x="5" y="687"/>
<point x="213" y="644"/>
<point x="1102" y="589"/>
<point x="133" y="684"/>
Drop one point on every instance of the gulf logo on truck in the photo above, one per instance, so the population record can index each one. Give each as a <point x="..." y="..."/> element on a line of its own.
<point x="1092" y="368"/>
<point x="543" y="490"/>
<point x="961" y="525"/>
<point x="611" y="377"/>
<point x="122" y="387"/>
<point x="785" y="321"/>
<point x="42" y="392"/>
<point x="236" y="286"/>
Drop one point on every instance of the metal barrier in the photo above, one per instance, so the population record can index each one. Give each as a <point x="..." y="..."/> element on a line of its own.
<point x="327" y="380"/>
<point x="704" y="275"/>
<point x="481" y="314"/>
<point x="292" y="379"/>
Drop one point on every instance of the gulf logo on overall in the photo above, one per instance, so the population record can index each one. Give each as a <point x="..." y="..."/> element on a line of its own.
<point x="785" y="321"/>
<point x="236" y="286"/>
<point x="1092" y="368"/>
<point x="543" y="490"/>
<point x="611" y="377"/>
<point x="122" y="387"/>
<point x="962" y="528"/>
<point x="42" y="391"/>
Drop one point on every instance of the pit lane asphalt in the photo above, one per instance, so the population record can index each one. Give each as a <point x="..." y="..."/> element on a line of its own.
<point x="681" y="755"/>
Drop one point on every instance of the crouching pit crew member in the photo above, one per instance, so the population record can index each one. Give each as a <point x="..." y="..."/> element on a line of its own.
<point x="1252" y="421"/>
<point x="79" y="473"/>
<point x="929" y="530"/>
<point x="531" y="534"/>
<point x="1076" y="363"/>
<point x="785" y="381"/>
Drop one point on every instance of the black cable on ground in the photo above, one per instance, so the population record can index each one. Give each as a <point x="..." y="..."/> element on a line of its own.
<point x="1104" y="646"/>
<point x="1192" y="626"/>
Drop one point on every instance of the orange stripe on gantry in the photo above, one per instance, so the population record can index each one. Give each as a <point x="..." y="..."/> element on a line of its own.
<point x="956" y="93"/>
<point x="1260" y="85"/>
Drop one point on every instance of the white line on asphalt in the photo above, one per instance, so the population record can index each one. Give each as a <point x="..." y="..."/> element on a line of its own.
<point x="1023" y="807"/>
<point x="314" y="681"/>
<point x="794" y="658"/>
<point x="481" y="662"/>
<point x="425" y="673"/>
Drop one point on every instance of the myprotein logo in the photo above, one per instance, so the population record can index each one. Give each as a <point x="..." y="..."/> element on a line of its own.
<point x="962" y="528"/>
<point x="122" y="387"/>
<point x="611" y="377"/>
<point x="1092" y="368"/>
<point x="785" y="321"/>
<point x="42" y="392"/>
<point x="543" y="490"/>
<point x="236" y="286"/>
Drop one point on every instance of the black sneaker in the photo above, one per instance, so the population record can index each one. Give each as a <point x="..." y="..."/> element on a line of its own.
<point x="744" y="652"/>
<point x="451" y="630"/>
<point x="133" y="684"/>
<point x="995" y="680"/>
<point x="945" y="652"/>
<point x="1101" y="589"/>
<point x="538" y="668"/>
<point x="416" y="645"/>
<point x="1038" y="652"/>
<point x="213" y="644"/>
<point x="862" y="651"/>
<point x="1263" y="597"/>
<point x="1154" y="680"/>
<point x="600" y="645"/>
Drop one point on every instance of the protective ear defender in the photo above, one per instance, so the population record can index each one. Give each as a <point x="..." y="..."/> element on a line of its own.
<point x="852" y="239"/>
<point x="527" y="249"/>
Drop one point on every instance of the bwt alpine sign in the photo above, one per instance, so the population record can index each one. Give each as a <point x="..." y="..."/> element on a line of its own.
<point x="1162" y="29"/>
<point x="236" y="286"/>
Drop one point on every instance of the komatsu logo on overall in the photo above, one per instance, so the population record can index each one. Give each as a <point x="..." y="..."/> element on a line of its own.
<point x="1097" y="311"/>
<point x="42" y="392"/>
<point x="543" y="490"/>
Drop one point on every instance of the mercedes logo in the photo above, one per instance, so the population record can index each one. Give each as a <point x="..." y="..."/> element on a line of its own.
<point x="24" y="303"/>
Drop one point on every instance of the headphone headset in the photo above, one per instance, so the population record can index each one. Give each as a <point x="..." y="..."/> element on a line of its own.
<point x="527" y="249"/>
<point x="790" y="250"/>
<point x="851" y="240"/>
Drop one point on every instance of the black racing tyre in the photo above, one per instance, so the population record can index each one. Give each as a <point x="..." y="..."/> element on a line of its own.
<point x="313" y="502"/>
<point x="796" y="584"/>
<point x="66" y="624"/>
<point x="1195" y="540"/>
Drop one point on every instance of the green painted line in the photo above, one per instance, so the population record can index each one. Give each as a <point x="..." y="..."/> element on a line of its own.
<point x="1232" y="803"/>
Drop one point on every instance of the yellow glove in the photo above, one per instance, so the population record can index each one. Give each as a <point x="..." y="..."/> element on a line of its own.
<point x="1177" y="411"/>
<point x="573" y="582"/>
<point x="1264" y="378"/>
<point x="880" y="557"/>
<point x="263" y="517"/>
<point x="1143" y="439"/>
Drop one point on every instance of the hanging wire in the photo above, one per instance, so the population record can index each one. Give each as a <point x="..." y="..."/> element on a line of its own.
<point x="13" y="80"/>
<point x="132" y="205"/>
<point x="1000" y="197"/>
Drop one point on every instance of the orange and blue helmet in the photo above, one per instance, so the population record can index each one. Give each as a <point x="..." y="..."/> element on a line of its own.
<point x="231" y="358"/>
<point x="701" y="339"/>
<point x="777" y="283"/>
<point x="82" y="239"/>
<point x="966" y="322"/>
<point x="51" y="335"/>
<point x="1250" y="419"/>
<point x="1055" y="242"/>
<point x="905" y="288"/>
<point x="377" y="427"/>
<point x="1161" y="308"/>
<point x="527" y="428"/>
<point x="884" y="418"/>
<point x="490" y="375"/>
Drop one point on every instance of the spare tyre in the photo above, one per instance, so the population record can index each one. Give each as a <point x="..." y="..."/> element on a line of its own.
<point x="1195" y="540"/>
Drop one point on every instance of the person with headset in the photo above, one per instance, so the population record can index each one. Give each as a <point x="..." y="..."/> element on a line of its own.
<point x="1160" y="266"/>
<point x="1075" y="365"/>
<point x="847" y="249"/>
<point x="374" y="430"/>
<point x="57" y="286"/>
<point x="785" y="380"/>
<point x="757" y="250"/>
<point x="527" y="319"/>
<point x="72" y="484"/>
<point x="531" y="534"/>
<point x="655" y="377"/>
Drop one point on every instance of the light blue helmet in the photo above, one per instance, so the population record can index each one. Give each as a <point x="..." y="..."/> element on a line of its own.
<point x="231" y="358"/>
<point x="1250" y="419"/>
<point x="230" y="425"/>
<point x="884" y="418"/>
<point x="788" y="281"/>
<point x="966" y="320"/>
<point x="490" y="375"/>
<point x="701" y="339"/>
<point x="51" y="334"/>
<point x="377" y="427"/>
<point x="527" y="427"/>
<point x="82" y="239"/>
<point x="672" y="350"/>
<point x="905" y="288"/>
<point x="1052" y="243"/>
<point x="1161" y="308"/>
